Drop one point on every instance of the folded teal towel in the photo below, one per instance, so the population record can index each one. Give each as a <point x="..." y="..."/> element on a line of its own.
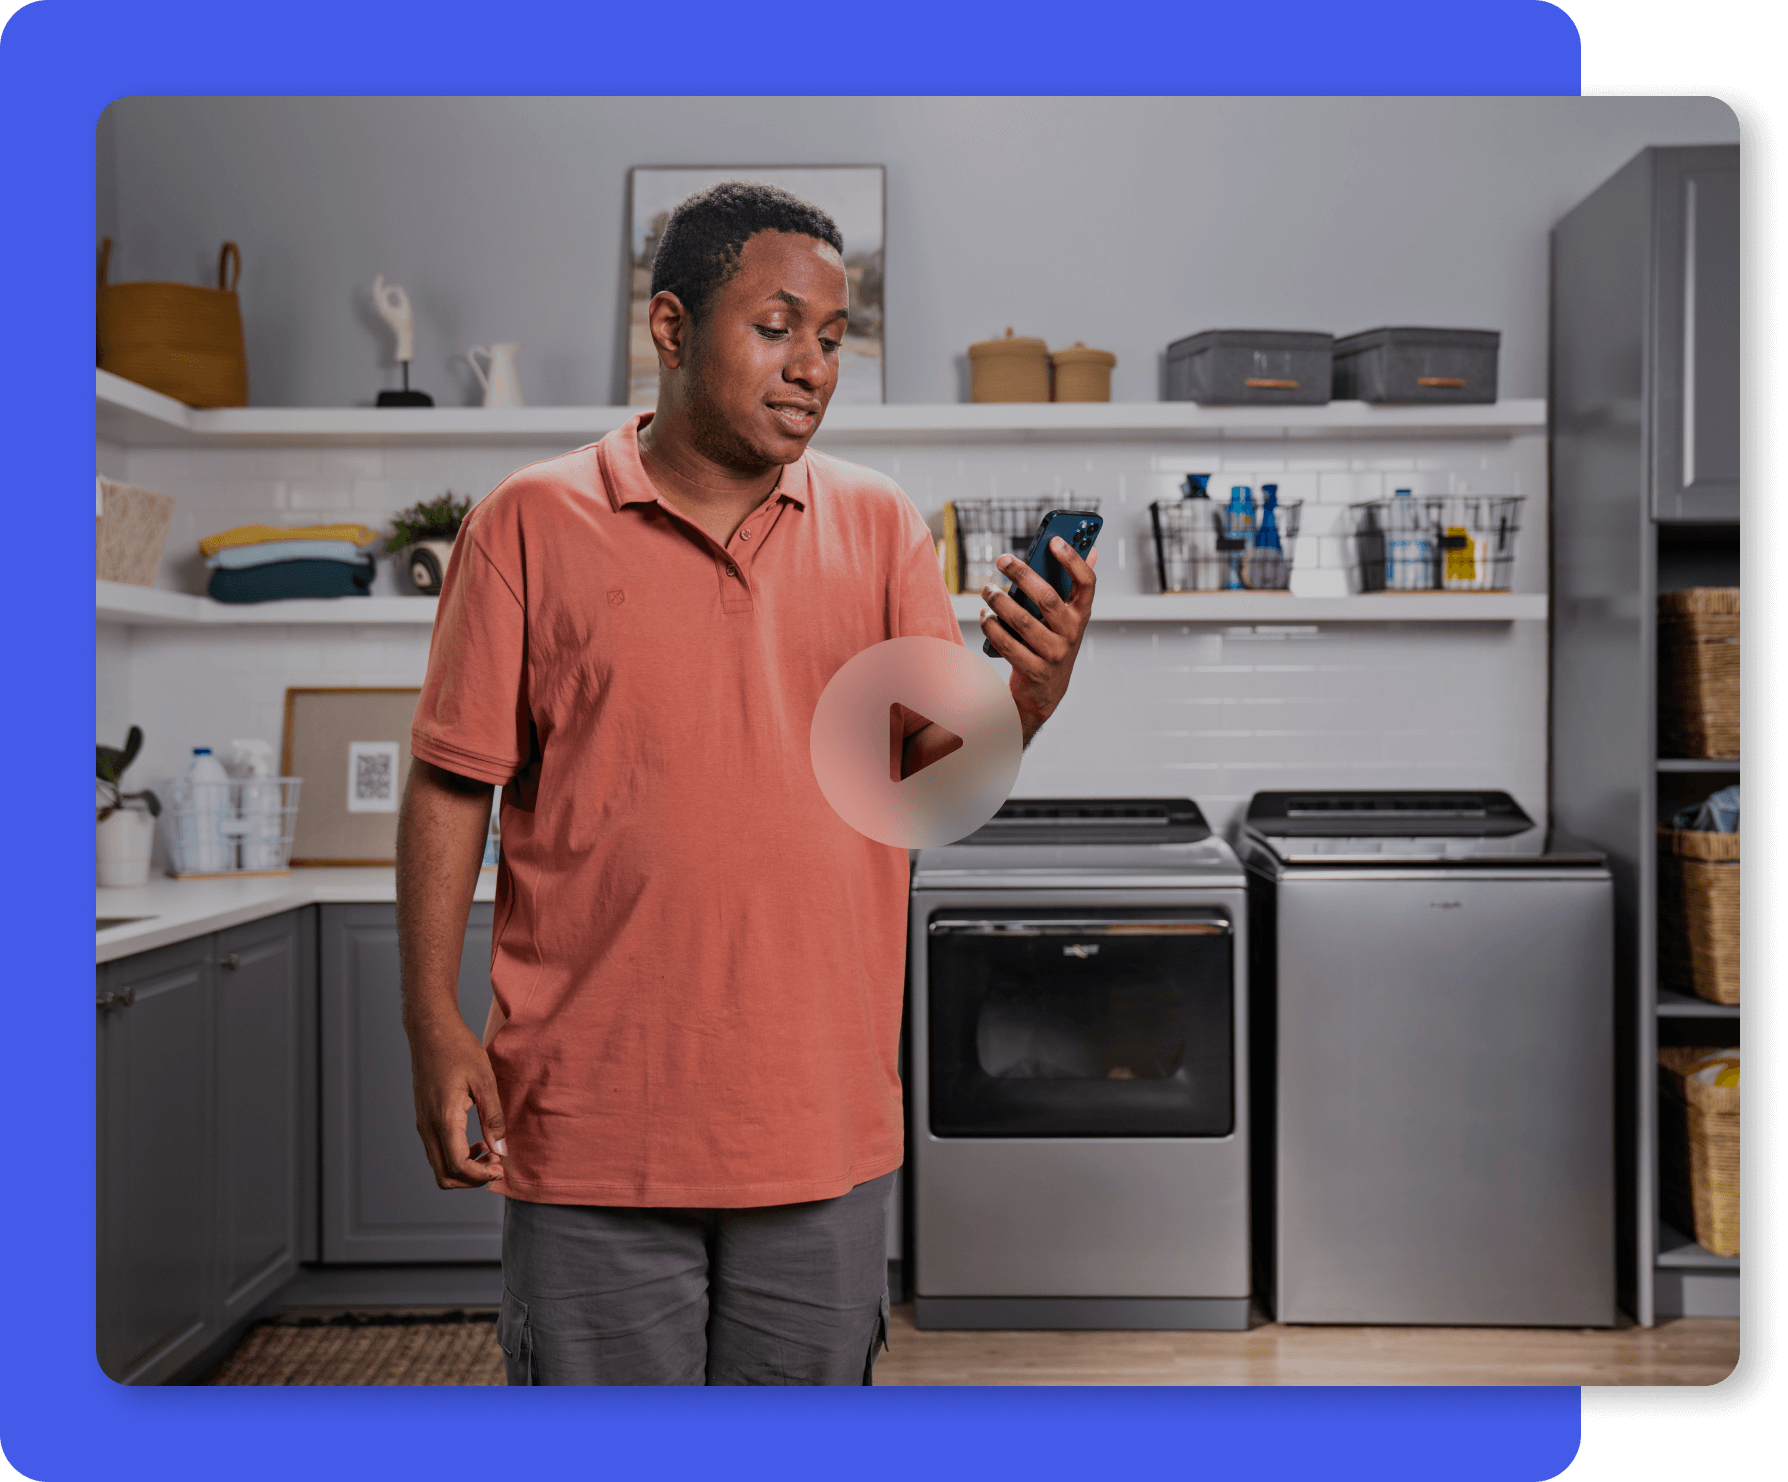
<point x="281" y="579"/>
<point x="235" y="557"/>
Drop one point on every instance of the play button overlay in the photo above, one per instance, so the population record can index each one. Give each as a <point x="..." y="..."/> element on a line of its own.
<point x="956" y="794"/>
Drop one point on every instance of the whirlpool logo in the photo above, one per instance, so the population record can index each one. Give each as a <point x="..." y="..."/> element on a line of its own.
<point x="1081" y="949"/>
<point x="1445" y="905"/>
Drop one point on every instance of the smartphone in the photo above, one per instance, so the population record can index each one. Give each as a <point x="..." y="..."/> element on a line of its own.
<point x="1080" y="528"/>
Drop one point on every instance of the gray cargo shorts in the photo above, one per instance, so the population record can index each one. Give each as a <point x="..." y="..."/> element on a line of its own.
<point x="786" y="1294"/>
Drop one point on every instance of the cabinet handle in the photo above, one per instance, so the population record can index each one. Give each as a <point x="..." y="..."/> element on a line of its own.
<point x="110" y="1001"/>
<point x="233" y="961"/>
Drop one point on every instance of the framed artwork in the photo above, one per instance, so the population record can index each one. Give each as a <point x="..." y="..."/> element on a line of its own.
<point x="854" y="196"/>
<point x="352" y="748"/>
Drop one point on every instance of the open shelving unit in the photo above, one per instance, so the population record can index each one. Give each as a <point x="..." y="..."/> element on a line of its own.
<point x="133" y="415"/>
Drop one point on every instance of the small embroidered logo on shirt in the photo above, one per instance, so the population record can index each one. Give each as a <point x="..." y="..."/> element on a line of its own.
<point x="616" y="596"/>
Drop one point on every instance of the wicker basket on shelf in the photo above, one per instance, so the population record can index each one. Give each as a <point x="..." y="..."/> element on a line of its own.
<point x="1698" y="913"/>
<point x="1698" y="1148"/>
<point x="1698" y="672"/>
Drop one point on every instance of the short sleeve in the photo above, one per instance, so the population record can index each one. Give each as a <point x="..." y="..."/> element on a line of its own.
<point x="473" y="717"/>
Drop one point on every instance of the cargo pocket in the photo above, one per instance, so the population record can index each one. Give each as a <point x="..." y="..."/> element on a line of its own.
<point x="516" y="1339"/>
<point x="879" y="1340"/>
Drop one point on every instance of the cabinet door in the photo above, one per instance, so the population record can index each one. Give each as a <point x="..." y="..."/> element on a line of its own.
<point x="257" y="1111"/>
<point x="379" y="1199"/>
<point x="1695" y="443"/>
<point x="156" y="1150"/>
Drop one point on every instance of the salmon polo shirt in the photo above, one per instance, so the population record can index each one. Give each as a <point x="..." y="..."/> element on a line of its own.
<point x="698" y="966"/>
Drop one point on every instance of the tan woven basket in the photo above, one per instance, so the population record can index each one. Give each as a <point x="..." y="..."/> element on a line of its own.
<point x="1082" y="374"/>
<point x="1698" y="672"/>
<point x="130" y="532"/>
<point x="182" y="341"/>
<point x="1698" y="1149"/>
<point x="1009" y="369"/>
<point x="1698" y="913"/>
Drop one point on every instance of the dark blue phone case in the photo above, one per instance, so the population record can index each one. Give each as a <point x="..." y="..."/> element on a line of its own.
<point x="1080" y="528"/>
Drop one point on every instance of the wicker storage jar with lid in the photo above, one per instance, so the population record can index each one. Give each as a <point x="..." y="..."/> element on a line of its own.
<point x="182" y="341"/>
<point x="1698" y="913"/>
<point x="1698" y="1148"/>
<point x="1012" y="369"/>
<point x="1698" y="673"/>
<point x="1082" y="374"/>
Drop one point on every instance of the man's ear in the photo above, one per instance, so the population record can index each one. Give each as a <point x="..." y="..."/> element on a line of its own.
<point x="671" y="329"/>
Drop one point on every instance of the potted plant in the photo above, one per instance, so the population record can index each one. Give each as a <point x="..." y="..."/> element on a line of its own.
<point x="427" y="531"/>
<point x="126" y="821"/>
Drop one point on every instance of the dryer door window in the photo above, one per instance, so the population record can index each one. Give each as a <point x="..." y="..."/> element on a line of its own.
<point x="1079" y="1024"/>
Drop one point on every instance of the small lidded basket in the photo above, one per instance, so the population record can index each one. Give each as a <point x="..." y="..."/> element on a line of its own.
<point x="1012" y="369"/>
<point x="1082" y="374"/>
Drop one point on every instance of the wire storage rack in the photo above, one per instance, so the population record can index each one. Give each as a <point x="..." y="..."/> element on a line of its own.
<point x="240" y="826"/>
<point x="1204" y="546"/>
<point x="1435" y="542"/>
<point x="987" y="529"/>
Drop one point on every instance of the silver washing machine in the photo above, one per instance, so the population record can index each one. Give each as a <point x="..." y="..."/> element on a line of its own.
<point x="1434" y="1076"/>
<point x="1078" y="1086"/>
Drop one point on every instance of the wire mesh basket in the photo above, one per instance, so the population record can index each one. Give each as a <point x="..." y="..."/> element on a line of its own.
<point x="987" y="529"/>
<point x="1202" y="545"/>
<point x="239" y="826"/>
<point x="1435" y="542"/>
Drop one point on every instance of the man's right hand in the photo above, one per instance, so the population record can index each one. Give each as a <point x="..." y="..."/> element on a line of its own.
<point x="451" y="1074"/>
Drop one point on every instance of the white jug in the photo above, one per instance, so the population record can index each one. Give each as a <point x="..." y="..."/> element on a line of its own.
<point x="502" y="387"/>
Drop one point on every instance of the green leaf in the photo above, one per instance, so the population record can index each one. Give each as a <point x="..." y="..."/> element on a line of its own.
<point x="133" y="743"/>
<point x="108" y="763"/>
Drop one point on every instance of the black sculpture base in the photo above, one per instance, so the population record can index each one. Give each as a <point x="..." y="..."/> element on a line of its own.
<point x="405" y="399"/>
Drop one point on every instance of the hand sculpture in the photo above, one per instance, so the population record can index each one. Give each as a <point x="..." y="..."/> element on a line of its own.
<point x="393" y="305"/>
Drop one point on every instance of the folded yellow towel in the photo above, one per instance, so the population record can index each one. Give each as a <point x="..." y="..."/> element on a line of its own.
<point x="256" y="534"/>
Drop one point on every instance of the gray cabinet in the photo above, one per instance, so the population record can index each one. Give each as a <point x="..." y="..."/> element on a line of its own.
<point x="1693" y="412"/>
<point x="157" y="1125"/>
<point x="380" y="1202"/>
<point x="1644" y="404"/>
<point x="200" y="1171"/>
<point x="258" y="987"/>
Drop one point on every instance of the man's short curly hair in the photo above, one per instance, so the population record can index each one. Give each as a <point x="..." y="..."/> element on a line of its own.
<point x="706" y="233"/>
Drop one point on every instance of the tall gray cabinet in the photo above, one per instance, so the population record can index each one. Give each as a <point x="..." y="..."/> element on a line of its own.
<point x="1645" y="499"/>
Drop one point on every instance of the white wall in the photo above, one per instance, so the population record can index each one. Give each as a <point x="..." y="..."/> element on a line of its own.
<point x="1123" y="222"/>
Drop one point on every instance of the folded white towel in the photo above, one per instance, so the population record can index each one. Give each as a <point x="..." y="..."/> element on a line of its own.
<point x="235" y="557"/>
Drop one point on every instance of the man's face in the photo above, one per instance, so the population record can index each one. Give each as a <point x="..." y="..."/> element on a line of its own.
<point x="765" y="357"/>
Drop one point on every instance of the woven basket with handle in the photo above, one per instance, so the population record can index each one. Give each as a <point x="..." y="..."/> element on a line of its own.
<point x="1698" y="913"/>
<point x="182" y="341"/>
<point x="1698" y="1148"/>
<point x="1698" y="672"/>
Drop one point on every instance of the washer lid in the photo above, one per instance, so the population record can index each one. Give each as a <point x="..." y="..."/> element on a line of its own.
<point x="1071" y="821"/>
<point x="1374" y="814"/>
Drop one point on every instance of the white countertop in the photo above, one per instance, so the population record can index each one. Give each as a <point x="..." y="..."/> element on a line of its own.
<point x="178" y="910"/>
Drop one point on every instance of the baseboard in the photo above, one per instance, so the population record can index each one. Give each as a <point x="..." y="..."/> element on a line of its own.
<point x="447" y="1284"/>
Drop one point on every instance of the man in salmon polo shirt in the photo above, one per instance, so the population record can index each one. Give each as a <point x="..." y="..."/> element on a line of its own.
<point x="686" y="1086"/>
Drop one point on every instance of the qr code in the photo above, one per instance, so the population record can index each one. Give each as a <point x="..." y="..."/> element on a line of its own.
<point x="373" y="780"/>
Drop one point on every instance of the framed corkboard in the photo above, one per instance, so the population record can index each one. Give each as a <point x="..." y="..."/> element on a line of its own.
<point x="352" y="748"/>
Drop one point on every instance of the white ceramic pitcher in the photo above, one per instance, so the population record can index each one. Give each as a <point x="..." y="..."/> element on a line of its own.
<point x="502" y="387"/>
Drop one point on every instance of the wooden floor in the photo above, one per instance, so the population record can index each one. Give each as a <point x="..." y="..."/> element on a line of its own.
<point x="1689" y="1350"/>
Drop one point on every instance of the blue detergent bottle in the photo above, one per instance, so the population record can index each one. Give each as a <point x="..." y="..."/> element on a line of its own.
<point x="1266" y="562"/>
<point x="1239" y="535"/>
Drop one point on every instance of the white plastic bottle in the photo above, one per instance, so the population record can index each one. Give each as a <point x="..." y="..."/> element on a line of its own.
<point x="1409" y="555"/>
<point x="201" y="813"/>
<point x="262" y="823"/>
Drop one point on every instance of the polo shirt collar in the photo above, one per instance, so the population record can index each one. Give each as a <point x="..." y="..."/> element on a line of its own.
<point x="626" y="481"/>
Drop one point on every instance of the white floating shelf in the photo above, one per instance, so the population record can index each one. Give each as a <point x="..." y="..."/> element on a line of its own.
<point x="149" y="607"/>
<point x="1283" y="607"/>
<point x="133" y="415"/>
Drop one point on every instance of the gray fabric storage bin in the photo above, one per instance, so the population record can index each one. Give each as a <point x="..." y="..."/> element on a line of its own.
<point x="1406" y="365"/>
<point x="1236" y="367"/>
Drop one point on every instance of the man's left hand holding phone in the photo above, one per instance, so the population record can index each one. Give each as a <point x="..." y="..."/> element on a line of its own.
<point x="1041" y="649"/>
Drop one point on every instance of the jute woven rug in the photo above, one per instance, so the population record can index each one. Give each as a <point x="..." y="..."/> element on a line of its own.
<point x="455" y="1347"/>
